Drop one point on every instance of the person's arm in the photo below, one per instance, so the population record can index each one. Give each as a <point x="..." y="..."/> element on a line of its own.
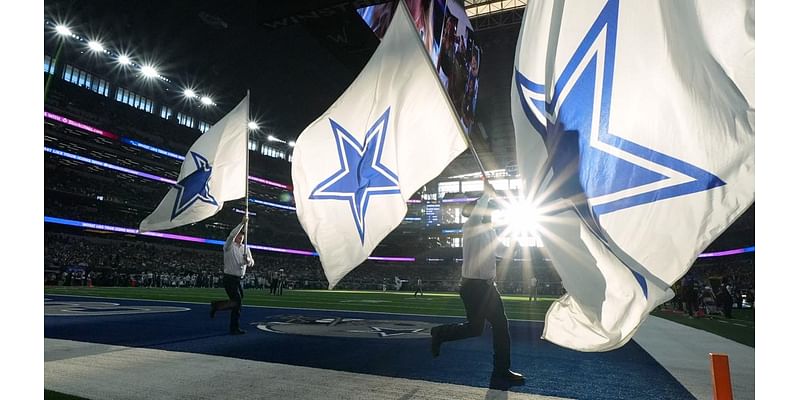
<point x="249" y="257"/>
<point x="476" y="216"/>
<point x="235" y="232"/>
<point x="232" y="235"/>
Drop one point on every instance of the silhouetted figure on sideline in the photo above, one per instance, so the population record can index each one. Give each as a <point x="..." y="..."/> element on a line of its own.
<point x="478" y="292"/>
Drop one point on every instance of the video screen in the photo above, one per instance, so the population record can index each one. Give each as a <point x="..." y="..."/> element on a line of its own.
<point x="447" y="34"/>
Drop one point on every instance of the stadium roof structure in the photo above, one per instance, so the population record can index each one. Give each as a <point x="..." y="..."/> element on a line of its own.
<point x="296" y="58"/>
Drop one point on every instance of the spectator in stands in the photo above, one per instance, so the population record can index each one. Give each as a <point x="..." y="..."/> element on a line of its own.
<point x="237" y="258"/>
<point x="478" y="292"/>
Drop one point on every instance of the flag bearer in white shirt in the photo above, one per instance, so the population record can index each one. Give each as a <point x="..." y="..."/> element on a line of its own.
<point x="478" y="292"/>
<point x="237" y="258"/>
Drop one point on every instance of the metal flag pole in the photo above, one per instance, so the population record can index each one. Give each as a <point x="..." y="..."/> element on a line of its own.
<point x="247" y="169"/>
<point x="401" y="7"/>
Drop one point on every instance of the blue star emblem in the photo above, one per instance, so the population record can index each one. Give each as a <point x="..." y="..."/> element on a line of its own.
<point x="361" y="173"/>
<point x="194" y="186"/>
<point x="613" y="172"/>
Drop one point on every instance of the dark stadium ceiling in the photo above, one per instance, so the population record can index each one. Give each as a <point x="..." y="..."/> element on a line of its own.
<point x="295" y="57"/>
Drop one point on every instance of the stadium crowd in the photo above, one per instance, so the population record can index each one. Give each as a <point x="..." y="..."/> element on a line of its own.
<point x="76" y="260"/>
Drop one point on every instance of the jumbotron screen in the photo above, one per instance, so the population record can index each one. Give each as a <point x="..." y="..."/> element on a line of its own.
<point x="447" y="34"/>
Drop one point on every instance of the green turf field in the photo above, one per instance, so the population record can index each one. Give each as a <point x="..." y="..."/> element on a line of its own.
<point x="740" y="329"/>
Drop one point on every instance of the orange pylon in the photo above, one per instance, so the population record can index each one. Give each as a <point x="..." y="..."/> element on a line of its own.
<point x="721" y="377"/>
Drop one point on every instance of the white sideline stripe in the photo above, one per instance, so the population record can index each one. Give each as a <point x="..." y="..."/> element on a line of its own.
<point x="99" y="371"/>
<point x="289" y="308"/>
<point x="683" y="352"/>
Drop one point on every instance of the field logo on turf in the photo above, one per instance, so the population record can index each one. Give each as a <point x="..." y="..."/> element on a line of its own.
<point x="84" y="309"/>
<point x="345" y="327"/>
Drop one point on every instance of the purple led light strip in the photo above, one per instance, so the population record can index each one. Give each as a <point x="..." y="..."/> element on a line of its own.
<point x="111" y="228"/>
<point x="77" y="124"/>
<point x="153" y="149"/>
<point x="728" y="252"/>
<point x="107" y="165"/>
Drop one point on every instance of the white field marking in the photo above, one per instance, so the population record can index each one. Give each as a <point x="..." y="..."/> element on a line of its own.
<point x="100" y="371"/>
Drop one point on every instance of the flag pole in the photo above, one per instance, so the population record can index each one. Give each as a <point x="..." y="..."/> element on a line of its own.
<point x="401" y="4"/>
<point x="247" y="168"/>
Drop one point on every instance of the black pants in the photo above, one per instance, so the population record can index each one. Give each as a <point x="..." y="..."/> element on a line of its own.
<point x="273" y="286"/>
<point x="482" y="303"/>
<point x="419" y="290"/>
<point x="233" y="287"/>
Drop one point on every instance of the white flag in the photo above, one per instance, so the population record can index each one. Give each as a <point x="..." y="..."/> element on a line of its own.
<point x="214" y="171"/>
<point x="646" y="110"/>
<point x="391" y="132"/>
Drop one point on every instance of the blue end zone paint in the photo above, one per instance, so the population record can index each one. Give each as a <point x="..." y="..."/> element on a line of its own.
<point x="626" y="373"/>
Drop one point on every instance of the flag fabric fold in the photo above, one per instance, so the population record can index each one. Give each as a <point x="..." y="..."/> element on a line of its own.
<point x="213" y="172"/>
<point x="354" y="168"/>
<point x="642" y="113"/>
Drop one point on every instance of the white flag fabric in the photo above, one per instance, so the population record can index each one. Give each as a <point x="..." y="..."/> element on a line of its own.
<point x="646" y="111"/>
<point x="214" y="171"/>
<point x="354" y="168"/>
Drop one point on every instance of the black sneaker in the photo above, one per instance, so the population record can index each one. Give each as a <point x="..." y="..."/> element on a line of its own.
<point x="436" y="341"/>
<point x="509" y="376"/>
<point x="238" y="331"/>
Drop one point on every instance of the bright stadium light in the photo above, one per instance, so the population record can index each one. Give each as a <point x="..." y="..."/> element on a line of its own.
<point x="520" y="219"/>
<point x="124" y="60"/>
<point x="206" y="100"/>
<point x="96" y="46"/>
<point x="149" y="71"/>
<point x="252" y="125"/>
<point x="291" y="143"/>
<point x="63" y="30"/>
<point x="189" y="93"/>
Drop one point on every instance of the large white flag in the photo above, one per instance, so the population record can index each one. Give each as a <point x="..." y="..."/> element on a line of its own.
<point x="214" y="171"/>
<point x="645" y="110"/>
<point x="391" y="132"/>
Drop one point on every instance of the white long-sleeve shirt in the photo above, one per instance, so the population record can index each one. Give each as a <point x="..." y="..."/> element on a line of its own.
<point x="480" y="244"/>
<point x="234" y="254"/>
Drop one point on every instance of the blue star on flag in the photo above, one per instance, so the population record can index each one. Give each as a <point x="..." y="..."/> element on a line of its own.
<point x="194" y="186"/>
<point x="613" y="172"/>
<point x="361" y="173"/>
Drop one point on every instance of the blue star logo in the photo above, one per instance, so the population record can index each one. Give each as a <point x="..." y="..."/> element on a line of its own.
<point x="613" y="172"/>
<point x="361" y="173"/>
<point x="193" y="187"/>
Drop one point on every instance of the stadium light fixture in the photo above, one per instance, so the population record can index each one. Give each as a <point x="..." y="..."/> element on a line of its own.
<point x="123" y="59"/>
<point x="252" y="125"/>
<point x="291" y="143"/>
<point x="96" y="46"/>
<point x="189" y="93"/>
<point x="206" y="100"/>
<point x="63" y="30"/>
<point x="149" y="72"/>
